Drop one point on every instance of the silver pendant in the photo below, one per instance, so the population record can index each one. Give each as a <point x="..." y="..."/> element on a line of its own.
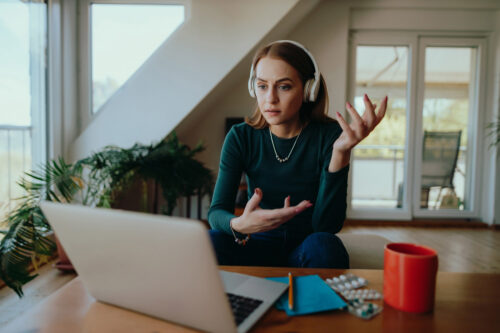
<point x="281" y="160"/>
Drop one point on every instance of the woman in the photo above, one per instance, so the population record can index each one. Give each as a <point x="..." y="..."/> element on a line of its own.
<point x="296" y="160"/>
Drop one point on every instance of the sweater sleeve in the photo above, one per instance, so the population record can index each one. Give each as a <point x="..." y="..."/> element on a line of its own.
<point x="331" y="203"/>
<point x="228" y="180"/>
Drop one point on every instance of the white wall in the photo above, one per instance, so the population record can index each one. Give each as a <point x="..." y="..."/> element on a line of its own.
<point x="207" y="122"/>
<point x="325" y="31"/>
<point x="176" y="78"/>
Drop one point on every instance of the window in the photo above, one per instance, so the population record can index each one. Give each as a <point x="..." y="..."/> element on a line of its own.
<point x="122" y="37"/>
<point x="23" y="36"/>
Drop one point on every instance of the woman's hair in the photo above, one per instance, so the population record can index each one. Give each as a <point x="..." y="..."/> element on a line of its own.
<point x="300" y="60"/>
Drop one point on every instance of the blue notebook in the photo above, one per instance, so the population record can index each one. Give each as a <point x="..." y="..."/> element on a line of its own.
<point x="310" y="294"/>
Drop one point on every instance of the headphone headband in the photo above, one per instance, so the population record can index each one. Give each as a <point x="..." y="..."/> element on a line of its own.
<point x="311" y="86"/>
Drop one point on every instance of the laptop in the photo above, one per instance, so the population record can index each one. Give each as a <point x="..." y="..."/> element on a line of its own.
<point x="161" y="266"/>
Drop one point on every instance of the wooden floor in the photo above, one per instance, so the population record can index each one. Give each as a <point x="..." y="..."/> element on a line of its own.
<point x="459" y="250"/>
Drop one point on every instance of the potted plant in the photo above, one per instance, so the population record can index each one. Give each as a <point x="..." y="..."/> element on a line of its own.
<point x="94" y="181"/>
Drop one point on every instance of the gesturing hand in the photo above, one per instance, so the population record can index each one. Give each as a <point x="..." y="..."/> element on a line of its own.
<point x="254" y="219"/>
<point x="360" y="127"/>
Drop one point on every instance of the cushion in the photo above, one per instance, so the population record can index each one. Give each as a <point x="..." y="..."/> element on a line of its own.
<point x="366" y="251"/>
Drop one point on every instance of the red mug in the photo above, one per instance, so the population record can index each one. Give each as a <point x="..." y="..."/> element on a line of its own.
<point x="410" y="277"/>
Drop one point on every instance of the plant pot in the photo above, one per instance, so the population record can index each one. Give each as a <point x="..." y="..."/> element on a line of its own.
<point x="64" y="264"/>
<point x="138" y="196"/>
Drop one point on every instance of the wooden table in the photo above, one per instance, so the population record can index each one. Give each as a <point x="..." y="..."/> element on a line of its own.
<point x="464" y="303"/>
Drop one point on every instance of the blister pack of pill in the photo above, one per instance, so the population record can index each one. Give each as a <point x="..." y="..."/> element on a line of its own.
<point x="346" y="282"/>
<point x="362" y="294"/>
<point x="361" y="309"/>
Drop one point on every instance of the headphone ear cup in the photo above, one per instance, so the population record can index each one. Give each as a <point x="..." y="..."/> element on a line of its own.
<point x="313" y="94"/>
<point x="251" y="86"/>
<point x="308" y="93"/>
<point x="307" y="90"/>
<point x="311" y="89"/>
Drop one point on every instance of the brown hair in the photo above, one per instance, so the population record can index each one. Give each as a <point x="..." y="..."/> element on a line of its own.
<point x="300" y="60"/>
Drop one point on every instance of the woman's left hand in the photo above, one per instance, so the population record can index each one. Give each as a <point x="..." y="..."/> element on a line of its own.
<point x="353" y="133"/>
<point x="360" y="126"/>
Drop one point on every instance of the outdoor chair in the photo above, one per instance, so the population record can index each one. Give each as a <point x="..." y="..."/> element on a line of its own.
<point x="439" y="162"/>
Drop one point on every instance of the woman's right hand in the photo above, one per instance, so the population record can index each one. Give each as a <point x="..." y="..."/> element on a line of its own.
<point x="254" y="219"/>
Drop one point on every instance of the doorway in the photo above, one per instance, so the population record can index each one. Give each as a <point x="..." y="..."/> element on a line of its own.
<point x="421" y="160"/>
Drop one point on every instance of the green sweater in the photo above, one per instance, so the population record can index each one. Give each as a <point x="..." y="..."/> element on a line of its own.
<point x="304" y="176"/>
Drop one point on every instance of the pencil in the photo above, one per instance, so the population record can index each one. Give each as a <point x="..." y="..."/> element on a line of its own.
<point x="290" y="291"/>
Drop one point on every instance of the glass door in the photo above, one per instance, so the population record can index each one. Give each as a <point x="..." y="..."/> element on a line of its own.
<point x="447" y="113"/>
<point x="421" y="160"/>
<point x="381" y="65"/>
<point x="381" y="71"/>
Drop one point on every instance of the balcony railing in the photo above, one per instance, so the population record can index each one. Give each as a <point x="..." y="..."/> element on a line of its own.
<point x="377" y="177"/>
<point x="15" y="158"/>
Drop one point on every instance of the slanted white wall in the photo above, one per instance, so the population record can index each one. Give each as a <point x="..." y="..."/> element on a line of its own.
<point x="218" y="34"/>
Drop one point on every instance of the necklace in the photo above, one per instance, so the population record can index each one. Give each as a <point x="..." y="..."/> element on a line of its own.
<point x="282" y="160"/>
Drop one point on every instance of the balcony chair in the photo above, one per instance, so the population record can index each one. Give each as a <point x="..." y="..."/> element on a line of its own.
<point x="439" y="162"/>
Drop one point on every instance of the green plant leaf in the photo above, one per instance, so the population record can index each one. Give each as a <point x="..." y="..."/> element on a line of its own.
<point x="23" y="243"/>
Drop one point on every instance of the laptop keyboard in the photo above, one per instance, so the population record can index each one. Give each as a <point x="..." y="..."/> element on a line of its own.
<point x="242" y="306"/>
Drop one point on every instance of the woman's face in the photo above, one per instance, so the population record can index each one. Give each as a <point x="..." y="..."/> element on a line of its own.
<point x="279" y="91"/>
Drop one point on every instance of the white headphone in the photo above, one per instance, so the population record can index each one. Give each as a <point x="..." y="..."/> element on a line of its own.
<point x="311" y="87"/>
